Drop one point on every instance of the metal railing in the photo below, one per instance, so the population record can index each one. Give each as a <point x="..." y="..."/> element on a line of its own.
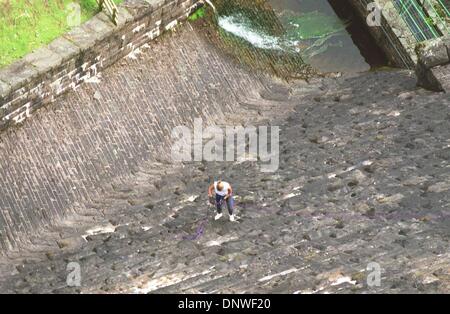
<point x="110" y="7"/>
<point x="445" y="6"/>
<point x="422" y="17"/>
<point x="439" y="10"/>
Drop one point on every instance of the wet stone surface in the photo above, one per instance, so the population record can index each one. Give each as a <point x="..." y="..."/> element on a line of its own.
<point x="363" y="178"/>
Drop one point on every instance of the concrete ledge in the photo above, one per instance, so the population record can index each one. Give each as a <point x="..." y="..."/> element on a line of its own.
<point x="64" y="48"/>
<point x="18" y="74"/>
<point x="43" y="75"/>
<point x="433" y="66"/>
<point x="5" y="89"/>
<point x="44" y="60"/>
<point x="435" y="52"/>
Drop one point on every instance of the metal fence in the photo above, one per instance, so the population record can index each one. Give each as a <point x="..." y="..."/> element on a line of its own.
<point x="423" y="16"/>
<point x="110" y="7"/>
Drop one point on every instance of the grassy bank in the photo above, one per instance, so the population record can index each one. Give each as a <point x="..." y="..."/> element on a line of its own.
<point x="28" y="24"/>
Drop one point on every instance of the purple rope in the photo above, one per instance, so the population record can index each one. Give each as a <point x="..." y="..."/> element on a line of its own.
<point x="201" y="227"/>
<point x="200" y="231"/>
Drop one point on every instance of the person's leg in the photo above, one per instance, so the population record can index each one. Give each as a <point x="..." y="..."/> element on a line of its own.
<point x="230" y="205"/>
<point x="219" y="200"/>
<point x="219" y="203"/>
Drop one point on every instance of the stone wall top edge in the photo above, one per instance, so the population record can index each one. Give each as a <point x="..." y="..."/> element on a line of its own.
<point x="69" y="45"/>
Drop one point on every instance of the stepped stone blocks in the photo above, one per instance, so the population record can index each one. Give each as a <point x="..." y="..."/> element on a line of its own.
<point x="62" y="161"/>
<point x="70" y="60"/>
<point x="375" y="190"/>
<point x="433" y="66"/>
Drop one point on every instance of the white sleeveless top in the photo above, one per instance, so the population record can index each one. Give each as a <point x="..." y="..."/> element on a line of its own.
<point x="224" y="192"/>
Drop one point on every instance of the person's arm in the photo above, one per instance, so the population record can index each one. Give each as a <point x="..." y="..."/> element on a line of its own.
<point x="210" y="190"/>
<point x="230" y="191"/>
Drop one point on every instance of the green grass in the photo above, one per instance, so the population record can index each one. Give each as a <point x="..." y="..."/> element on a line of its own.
<point x="29" y="24"/>
<point x="199" y="14"/>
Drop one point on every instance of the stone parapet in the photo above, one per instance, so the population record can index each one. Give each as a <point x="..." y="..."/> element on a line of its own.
<point x="68" y="61"/>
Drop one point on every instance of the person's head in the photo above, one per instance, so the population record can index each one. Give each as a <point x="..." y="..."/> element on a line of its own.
<point x="219" y="185"/>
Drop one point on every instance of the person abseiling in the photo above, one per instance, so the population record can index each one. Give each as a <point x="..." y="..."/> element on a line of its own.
<point x="223" y="192"/>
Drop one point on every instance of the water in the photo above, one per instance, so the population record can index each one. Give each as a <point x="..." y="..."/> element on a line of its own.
<point x="240" y="26"/>
<point x="338" y="53"/>
<point x="327" y="41"/>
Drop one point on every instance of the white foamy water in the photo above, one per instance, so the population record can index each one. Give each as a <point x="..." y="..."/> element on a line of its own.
<point x="236" y="25"/>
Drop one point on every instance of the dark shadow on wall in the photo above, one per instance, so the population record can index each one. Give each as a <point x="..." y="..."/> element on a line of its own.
<point x="359" y="31"/>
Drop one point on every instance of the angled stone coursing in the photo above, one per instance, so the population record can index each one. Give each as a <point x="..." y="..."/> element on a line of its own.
<point x="68" y="61"/>
<point x="433" y="66"/>
<point x="64" y="161"/>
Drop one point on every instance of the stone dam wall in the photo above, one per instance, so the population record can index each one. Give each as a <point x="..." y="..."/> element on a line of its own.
<point x="39" y="182"/>
<point x="393" y="35"/>
<point x="60" y="157"/>
<point x="79" y="55"/>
